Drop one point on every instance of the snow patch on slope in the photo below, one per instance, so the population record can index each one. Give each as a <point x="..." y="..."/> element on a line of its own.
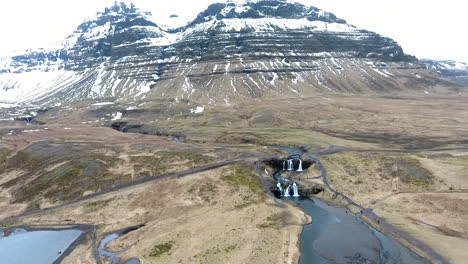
<point x="103" y="104"/>
<point x="197" y="110"/>
<point x="117" y="116"/>
<point x="270" y="25"/>
<point x="4" y="105"/>
<point x="255" y="25"/>
<point x="34" y="85"/>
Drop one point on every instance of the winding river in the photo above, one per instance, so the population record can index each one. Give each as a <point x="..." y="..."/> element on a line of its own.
<point x="113" y="256"/>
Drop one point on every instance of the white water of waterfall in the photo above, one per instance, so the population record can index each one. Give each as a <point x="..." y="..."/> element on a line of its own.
<point x="287" y="191"/>
<point x="295" y="190"/>
<point x="300" y="166"/>
<point x="284" y="165"/>
<point x="290" y="164"/>
<point x="280" y="188"/>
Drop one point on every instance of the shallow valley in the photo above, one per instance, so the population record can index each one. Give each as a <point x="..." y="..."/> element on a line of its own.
<point x="406" y="162"/>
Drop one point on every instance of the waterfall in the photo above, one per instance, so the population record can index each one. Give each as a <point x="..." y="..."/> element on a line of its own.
<point x="295" y="190"/>
<point x="300" y="166"/>
<point x="284" y="165"/>
<point x="280" y="188"/>
<point x="287" y="191"/>
<point x="290" y="165"/>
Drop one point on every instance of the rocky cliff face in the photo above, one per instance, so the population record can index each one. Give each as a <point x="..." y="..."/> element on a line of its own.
<point x="230" y="52"/>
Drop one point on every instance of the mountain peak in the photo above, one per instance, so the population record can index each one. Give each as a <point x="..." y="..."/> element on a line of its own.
<point x="122" y="7"/>
<point x="282" y="9"/>
<point x="121" y="23"/>
<point x="121" y="14"/>
<point x="232" y="51"/>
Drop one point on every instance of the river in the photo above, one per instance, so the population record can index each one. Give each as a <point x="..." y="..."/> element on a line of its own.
<point x="338" y="236"/>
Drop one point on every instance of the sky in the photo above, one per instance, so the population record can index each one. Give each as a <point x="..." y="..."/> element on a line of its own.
<point x="433" y="29"/>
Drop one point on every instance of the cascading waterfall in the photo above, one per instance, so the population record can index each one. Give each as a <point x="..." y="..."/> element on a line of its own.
<point x="295" y="190"/>
<point x="290" y="165"/>
<point x="287" y="191"/>
<point x="280" y="188"/>
<point x="300" y="166"/>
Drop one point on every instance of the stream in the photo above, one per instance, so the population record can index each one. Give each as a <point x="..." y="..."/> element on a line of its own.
<point x="113" y="256"/>
<point x="177" y="140"/>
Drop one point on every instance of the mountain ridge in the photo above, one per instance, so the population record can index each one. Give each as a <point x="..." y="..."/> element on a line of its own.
<point x="230" y="52"/>
<point x="455" y="71"/>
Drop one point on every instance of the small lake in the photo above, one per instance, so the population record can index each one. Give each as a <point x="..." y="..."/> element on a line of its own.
<point x="35" y="247"/>
<point x="338" y="236"/>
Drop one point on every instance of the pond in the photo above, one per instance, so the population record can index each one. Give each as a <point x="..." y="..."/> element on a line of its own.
<point x="20" y="246"/>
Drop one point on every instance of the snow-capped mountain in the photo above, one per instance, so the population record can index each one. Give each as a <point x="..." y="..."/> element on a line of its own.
<point x="232" y="51"/>
<point x="453" y="70"/>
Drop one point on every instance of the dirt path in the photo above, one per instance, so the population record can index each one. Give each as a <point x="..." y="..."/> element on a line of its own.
<point x="385" y="198"/>
<point x="128" y="186"/>
<point x="332" y="149"/>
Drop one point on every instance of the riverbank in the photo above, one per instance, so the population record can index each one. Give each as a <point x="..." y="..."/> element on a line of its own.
<point x="421" y="193"/>
<point x="379" y="223"/>
<point x="294" y="226"/>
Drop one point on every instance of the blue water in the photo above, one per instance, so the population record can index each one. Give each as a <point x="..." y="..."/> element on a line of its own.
<point x="35" y="247"/>
<point x="177" y="140"/>
<point x="113" y="256"/>
<point x="291" y="151"/>
<point x="338" y="236"/>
